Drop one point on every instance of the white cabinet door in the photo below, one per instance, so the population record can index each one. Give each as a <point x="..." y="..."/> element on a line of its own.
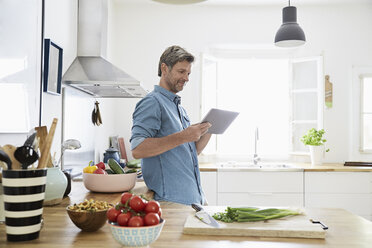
<point x="261" y="199"/>
<point x="209" y="184"/>
<point x="360" y="204"/>
<point x="348" y="190"/>
<point x="259" y="182"/>
<point x="338" y="182"/>
<point x="255" y="188"/>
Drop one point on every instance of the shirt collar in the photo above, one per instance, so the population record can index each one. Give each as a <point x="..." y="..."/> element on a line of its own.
<point x="171" y="96"/>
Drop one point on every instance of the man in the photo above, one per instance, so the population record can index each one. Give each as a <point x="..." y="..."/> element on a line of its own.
<point x="163" y="137"/>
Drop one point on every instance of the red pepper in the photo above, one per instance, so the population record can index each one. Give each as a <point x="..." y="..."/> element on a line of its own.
<point x="101" y="165"/>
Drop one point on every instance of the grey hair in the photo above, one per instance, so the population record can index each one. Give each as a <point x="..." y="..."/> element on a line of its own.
<point x="172" y="55"/>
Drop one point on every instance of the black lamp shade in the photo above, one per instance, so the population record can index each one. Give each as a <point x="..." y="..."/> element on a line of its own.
<point x="290" y="34"/>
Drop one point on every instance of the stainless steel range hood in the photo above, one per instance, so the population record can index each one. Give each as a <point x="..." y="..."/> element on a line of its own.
<point x="99" y="78"/>
<point x="90" y="71"/>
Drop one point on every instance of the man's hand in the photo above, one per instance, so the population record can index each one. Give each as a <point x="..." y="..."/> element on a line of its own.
<point x="195" y="131"/>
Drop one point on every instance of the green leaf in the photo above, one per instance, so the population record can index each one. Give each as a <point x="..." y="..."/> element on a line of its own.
<point x="314" y="137"/>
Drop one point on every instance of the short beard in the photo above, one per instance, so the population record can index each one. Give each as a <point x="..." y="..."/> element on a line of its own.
<point x="172" y="87"/>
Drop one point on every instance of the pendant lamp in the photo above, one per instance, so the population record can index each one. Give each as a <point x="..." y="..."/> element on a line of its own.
<point x="290" y="34"/>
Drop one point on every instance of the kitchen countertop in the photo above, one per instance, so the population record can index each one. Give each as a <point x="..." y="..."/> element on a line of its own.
<point x="345" y="229"/>
<point x="301" y="166"/>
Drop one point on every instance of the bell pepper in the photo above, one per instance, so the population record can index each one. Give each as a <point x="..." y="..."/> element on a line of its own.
<point x="90" y="168"/>
<point x="101" y="165"/>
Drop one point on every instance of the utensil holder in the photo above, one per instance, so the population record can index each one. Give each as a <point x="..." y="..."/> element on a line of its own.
<point x="23" y="194"/>
<point x="2" y="217"/>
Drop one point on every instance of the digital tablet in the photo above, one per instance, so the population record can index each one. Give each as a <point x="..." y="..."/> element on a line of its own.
<point x="220" y="120"/>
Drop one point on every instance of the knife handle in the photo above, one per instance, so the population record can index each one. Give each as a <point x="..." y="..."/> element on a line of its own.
<point x="318" y="222"/>
<point x="197" y="207"/>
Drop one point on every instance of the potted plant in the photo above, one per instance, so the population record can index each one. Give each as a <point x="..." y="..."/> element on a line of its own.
<point x="314" y="139"/>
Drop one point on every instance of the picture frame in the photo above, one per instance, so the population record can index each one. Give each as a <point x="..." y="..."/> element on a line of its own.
<point x="53" y="58"/>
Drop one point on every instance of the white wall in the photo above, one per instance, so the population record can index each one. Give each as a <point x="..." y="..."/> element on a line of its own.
<point x="61" y="28"/>
<point x="141" y="31"/>
<point x="117" y="120"/>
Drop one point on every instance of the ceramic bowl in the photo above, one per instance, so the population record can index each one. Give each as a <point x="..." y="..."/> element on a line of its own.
<point x="136" y="236"/>
<point x="88" y="221"/>
<point x="109" y="183"/>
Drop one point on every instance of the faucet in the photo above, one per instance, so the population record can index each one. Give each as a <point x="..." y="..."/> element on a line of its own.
<point x="255" y="156"/>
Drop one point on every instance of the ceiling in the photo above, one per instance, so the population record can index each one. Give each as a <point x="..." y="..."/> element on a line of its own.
<point x="259" y="2"/>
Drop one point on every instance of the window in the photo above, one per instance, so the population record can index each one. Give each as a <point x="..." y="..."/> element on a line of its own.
<point x="307" y="100"/>
<point x="278" y="95"/>
<point x="366" y="113"/>
<point x="360" y="145"/>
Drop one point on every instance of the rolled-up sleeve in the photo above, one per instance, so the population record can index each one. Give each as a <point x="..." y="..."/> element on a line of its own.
<point x="146" y="121"/>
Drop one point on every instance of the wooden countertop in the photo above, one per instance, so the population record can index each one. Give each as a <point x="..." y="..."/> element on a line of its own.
<point x="345" y="229"/>
<point x="304" y="166"/>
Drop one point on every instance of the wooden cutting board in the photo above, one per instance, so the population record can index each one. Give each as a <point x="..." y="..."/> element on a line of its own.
<point x="298" y="226"/>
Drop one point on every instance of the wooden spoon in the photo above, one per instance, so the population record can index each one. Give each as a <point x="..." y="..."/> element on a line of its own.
<point x="10" y="149"/>
<point x="48" y="143"/>
<point x="42" y="133"/>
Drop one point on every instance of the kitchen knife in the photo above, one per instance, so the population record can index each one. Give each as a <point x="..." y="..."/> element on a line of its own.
<point x="318" y="222"/>
<point x="204" y="216"/>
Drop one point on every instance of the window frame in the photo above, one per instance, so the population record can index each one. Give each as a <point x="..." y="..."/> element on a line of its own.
<point x="362" y="76"/>
<point x="354" y="148"/>
<point x="266" y="54"/>
<point x="319" y="90"/>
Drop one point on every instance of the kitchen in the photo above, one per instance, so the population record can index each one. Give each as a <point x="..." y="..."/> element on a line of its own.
<point x="201" y="28"/>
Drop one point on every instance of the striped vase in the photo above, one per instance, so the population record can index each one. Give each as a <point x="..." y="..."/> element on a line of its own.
<point x="24" y="192"/>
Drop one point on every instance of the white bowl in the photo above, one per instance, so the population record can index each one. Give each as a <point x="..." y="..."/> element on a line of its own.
<point x="136" y="236"/>
<point x="109" y="183"/>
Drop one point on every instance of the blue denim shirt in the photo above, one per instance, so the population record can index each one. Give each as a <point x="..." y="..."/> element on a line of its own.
<point x="173" y="175"/>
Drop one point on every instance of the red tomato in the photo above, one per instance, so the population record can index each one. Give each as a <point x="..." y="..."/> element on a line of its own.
<point x="137" y="204"/>
<point x="135" y="221"/>
<point x="123" y="218"/>
<point x="152" y="207"/>
<point x="125" y="197"/>
<point x="151" y="219"/>
<point x="112" y="214"/>
<point x="159" y="213"/>
<point x="101" y="165"/>
<point x="100" y="171"/>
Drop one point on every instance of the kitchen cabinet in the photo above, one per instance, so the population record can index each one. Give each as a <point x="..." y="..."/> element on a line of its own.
<point x="209" y="184"/>
<point x="258" y="188"/>
<point x="348" y="190"/>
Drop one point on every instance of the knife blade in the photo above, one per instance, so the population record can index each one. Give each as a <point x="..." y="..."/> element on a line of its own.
<point x="204" y="216"/>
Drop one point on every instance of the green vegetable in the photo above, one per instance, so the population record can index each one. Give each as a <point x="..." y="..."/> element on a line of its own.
<point x="314" y="137"/>
<point x="135" y="163"/>
<point x="115" y="167"/>
<point x="250" y="214"/>
<point x="109" y="171"/>
<point x="131" y="171"/>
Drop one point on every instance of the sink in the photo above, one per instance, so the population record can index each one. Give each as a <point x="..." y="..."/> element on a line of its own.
<point x="259" y="166"/>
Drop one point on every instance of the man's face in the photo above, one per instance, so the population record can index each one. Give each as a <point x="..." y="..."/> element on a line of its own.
<point x="176" y="78"/>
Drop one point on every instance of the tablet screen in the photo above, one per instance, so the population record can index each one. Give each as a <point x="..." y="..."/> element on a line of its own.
<point x="220" y="120"/>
